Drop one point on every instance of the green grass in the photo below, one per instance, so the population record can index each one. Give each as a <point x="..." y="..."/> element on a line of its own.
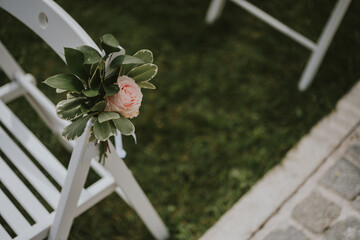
<point x="226" y="109"/>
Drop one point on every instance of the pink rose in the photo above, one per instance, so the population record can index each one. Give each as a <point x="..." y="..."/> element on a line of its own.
<point x="128" y="100"/>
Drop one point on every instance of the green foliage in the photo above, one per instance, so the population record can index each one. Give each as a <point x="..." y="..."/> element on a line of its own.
<point x="145" y="72"/>
<point x="124" y="125"/>
<point x="106" y="116"/>
<point x="147" y="85"/>
<point x="124" y="60"/>
<point x="65" y="82"/>
<point x="109" y="43"/>
<point x="99" y="106"/>
<point x="91" y="55"/>
<point x="102" y="130"/>
<point x="70" y="109"/>
<point x="87" y="95"/>
<point x="75" y="61"/>
<point x="76" y="128"/>
<point x="145" y="55"/>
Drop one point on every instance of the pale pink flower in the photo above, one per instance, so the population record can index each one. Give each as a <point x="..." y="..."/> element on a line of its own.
<point x="127" y="101"/>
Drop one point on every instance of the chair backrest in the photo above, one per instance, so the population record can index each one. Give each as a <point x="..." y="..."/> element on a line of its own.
<point x="50" y="22"/>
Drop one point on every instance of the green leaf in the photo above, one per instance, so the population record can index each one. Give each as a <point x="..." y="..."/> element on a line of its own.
<point x="92" y="135"/>
<point x="109" y="43"/>
<point x="125" y="59"/>
<point x="67" y="82"/>
<point x="144" y="72"/>
<point x="147" y="85"/>
<point x="70" y="109"/>
<point x="102" y="131"/>
<point x="145" y="55"/>
<point x="111" y="90"/>
<point x="124" y="125"/>
<point x="100" y="106"/>
<point x="106" y="116"/>
<point x="75" y="59"/>
<point x="85" y="108"/>
<point x="73" y="95"/>
<point x="91" y="55"/>
<point x="93" y="92"/>
<point x="75" y="129"/>
<point x="113" y="128"/>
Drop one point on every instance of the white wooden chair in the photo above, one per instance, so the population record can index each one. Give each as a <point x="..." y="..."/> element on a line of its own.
<point x="318" y="49"/>
<point x="58" y="30"/>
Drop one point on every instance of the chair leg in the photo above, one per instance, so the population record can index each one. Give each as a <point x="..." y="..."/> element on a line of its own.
<point x="214" y="11"/>
<point x="77" y="172"/>
<point x="134" y="194"/>
<point x="325" y="39"/>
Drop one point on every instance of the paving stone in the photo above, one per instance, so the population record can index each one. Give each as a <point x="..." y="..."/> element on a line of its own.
<point x="348" y="229"/>
<point x="291" y="233"/>
<point x="343" y="178"/>
<point x="356" y="203"/>
<point x="316" y="212"/>
<point x="353" y="154"/>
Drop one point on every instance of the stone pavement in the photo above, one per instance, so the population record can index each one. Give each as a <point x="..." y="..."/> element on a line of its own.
<point x="314" y="194"/>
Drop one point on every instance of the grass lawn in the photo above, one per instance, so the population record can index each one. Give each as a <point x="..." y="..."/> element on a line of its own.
<point x="226" y="108"/>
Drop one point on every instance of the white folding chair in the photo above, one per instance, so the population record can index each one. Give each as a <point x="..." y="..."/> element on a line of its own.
<point x="318" y="49"/>
<point x="58" y="30"/>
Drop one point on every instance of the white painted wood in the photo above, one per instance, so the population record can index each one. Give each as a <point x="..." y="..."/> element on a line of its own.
<point x="214" y="11"/>
<point x="10" y="91"/>
<point x="59" y="23"/>
<point x="12" y="215"/>
<point x="29" y="169"/>
<point x="3" y="234"/>
<point x="42" y="105"/>
<point x="75" y="180"/>
<point x="325" y="39"/>
<point x="95" y="193"/>
<point x="38" y="231"/>
<point x="32" y="144"/>
<point x="8" y="64"/>
<point x="276" y="24"/>
<point x="318" y="50"/>
<point x="22" y="194"/>
<point x="135" y="195"/>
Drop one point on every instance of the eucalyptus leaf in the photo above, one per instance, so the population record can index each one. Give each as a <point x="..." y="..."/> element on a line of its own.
<point x="125" y="59"/>
<point x="102" y="131"/>
<point x="144" y="72"/>
<point x="145" y="55"/>
<point x="106" y="116"/>
<point x="75" y="129"/>
<point x="67" y="82"/>
<point x="70" y="109"/>
<point x="111" y="90"/>
<point x="91" y="55"/>
<point x="147" y="85"/>
<point x="100" y="106"/>
<point x="75" y="59"/>
<point x="124" y="125"/>
<point x="109" y="43"/>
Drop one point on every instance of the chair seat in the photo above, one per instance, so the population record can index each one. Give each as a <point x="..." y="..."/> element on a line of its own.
<point x="38" y="180"/>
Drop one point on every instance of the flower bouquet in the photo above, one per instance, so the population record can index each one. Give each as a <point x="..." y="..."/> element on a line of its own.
<point x="104" y="88"/>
